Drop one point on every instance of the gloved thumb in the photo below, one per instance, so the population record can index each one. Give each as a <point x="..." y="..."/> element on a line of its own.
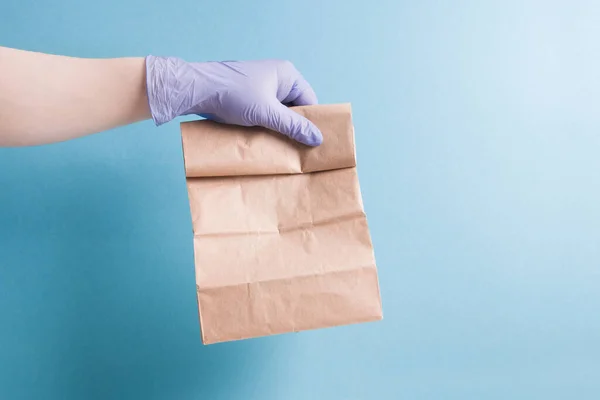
<point x="280" y="118"/>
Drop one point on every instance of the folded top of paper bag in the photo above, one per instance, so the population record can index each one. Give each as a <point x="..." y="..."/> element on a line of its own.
<point x="240" y="151"/>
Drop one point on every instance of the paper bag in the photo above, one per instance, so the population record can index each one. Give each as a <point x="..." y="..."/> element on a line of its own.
<point x="281" y="242"/>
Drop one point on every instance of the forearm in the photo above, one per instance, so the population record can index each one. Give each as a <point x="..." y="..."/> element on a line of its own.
<point x="47" y="98"/>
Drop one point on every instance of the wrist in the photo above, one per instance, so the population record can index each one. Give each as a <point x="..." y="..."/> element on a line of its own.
<point x="161" y="86"/>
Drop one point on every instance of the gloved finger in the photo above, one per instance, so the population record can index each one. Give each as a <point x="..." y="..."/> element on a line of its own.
<point x="301" y="94"/>
<point x="281" y="119"/>
<point x="306" y="98"/>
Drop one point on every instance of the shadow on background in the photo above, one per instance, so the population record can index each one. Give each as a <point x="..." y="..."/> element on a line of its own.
<point x="97" y="287"/>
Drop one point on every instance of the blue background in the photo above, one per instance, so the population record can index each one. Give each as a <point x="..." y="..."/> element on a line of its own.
<point x="478" y="139"/>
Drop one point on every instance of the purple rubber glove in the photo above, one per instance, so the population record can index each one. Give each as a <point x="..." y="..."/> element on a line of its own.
<point x="247" y="93"/>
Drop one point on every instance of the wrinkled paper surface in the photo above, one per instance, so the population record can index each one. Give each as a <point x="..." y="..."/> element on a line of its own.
<point x="281" y="241"/>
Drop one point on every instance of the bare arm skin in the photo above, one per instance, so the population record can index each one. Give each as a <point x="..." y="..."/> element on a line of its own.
<point x="46" y="98"/>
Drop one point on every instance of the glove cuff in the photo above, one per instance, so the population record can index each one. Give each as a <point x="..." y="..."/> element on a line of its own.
<point x="160" y="72"/>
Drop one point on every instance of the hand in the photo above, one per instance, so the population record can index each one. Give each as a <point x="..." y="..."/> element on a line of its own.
<point x="247" y="93"/>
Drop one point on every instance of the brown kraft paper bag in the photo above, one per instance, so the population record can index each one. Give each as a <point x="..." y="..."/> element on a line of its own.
<point x="281" y="242"/>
